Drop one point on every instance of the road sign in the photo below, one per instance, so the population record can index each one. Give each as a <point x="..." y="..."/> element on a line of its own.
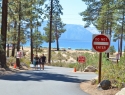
<point x="19" y="54"/>
<point x="101" y="43"/>
<point x="81" y="59"/>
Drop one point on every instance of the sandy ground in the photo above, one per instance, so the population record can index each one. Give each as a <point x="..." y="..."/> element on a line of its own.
<point x="9" y="71"/>
<point x="92" y="89"/>
<point x="4" y="72"/>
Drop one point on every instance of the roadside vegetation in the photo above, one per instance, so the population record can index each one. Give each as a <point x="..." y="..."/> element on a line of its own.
<point x="111" y="70"/>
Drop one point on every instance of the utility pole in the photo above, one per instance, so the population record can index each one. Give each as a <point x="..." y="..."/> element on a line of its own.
<point x="49" y="54"/>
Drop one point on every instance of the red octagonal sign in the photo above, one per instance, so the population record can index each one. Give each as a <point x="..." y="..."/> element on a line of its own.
<point x="101" y="43"/>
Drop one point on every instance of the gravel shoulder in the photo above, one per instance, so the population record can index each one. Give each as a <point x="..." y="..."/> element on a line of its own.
<point x="92" y="89"/>
<point x="10" y="71"/>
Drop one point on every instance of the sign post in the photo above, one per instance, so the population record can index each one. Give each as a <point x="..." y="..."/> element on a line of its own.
<point x="100" y="43"/>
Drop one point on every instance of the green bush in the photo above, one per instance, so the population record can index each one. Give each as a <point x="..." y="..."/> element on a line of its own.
<point x="11" y="61"/>
<point x="25" y="61"/>
<point x="71" y="65"/>
<point x="112" y="50"/>
<point x="60" y="64"/>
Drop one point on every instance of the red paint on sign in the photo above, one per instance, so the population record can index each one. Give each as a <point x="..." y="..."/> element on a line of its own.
<point x="81" y="59"/>
<point x="101" y="43"/>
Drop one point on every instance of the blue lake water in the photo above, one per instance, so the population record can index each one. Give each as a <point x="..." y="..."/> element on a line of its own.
<point x="75" y="44"/>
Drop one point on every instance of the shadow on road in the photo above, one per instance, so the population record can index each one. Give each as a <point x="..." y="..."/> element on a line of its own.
<point x="41" y="76"/>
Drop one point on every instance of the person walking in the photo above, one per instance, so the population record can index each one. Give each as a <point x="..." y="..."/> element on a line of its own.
<point x="36" y="60"/>
<point x="42" y="61"/>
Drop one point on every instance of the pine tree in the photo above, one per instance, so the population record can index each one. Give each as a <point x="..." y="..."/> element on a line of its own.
<point x="3" y="33"/>
<point x="37" y="39"/>
<point x="35" y="17"/>
<point x="103" y="15"/>
<point x="121" y="21"/>
<point x="54" y="10"/>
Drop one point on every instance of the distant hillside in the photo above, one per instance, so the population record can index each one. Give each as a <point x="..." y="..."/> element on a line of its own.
<point x="74" y="32"/>
<point x="75" y="36"/>
<point x="93" y="30"/>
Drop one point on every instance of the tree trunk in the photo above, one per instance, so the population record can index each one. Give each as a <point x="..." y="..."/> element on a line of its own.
<point x="14" y="45"/>
<point x="13" y="50"/>
<point x="8" y="50"/>
<point x="110" y="39"/>
<point x="18" y="40"/>
<point x="122" y="35"/>
<point x="57" y="43"/>
<point x="118" y="46"/>
<point x="31" y="35"/>
<point x="22" y="47"/>
<point x="50" y="33"/>
<point x="4" y="33"/>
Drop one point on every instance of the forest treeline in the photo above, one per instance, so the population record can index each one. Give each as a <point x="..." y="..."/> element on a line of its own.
<point x="20" y="20"/>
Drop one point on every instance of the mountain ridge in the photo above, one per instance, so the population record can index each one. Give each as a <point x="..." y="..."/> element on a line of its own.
<point x="74" y="32"/>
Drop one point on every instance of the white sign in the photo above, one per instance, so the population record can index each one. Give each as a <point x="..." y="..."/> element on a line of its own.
<point x="19" y="54"/>
<point x="118" y="56"/>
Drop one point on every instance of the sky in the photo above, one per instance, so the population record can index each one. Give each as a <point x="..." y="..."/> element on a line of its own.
<point x="71" y="10"/>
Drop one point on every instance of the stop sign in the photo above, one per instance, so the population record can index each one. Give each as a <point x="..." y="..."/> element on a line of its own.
<point x="101" y="43"/>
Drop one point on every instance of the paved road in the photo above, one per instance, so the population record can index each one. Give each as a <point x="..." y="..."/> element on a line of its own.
<point x="51" y="81"/>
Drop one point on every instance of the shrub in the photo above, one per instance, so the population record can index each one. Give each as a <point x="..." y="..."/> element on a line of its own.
<point x="110" y="70"/>
<point x="11" y="61"/>
<point x="25" y="61"/>
<point x="71" y="65"/>
<point x="112" y="50"/>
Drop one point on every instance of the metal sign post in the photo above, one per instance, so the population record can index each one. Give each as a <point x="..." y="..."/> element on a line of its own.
<point x="100" y="43"/>
<point x="100" y="63"/>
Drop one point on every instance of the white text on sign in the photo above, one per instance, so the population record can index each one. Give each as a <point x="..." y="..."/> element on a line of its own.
<point x="101" y="39"/>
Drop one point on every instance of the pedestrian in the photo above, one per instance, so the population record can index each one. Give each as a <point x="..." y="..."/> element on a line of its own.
<point x="42" y="61"/>
<point x="118" y="56"/>
<point x="36" y="60"/>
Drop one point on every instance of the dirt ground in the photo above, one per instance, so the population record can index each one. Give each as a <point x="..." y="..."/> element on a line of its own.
<point x="92" y="89"/>
<point x="10" y="71"/>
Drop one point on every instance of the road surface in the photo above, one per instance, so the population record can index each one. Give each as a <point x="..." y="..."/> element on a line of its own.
<point x="51" y="81"/>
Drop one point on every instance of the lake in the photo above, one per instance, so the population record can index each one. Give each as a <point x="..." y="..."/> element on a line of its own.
<point x="75" y="44"/>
